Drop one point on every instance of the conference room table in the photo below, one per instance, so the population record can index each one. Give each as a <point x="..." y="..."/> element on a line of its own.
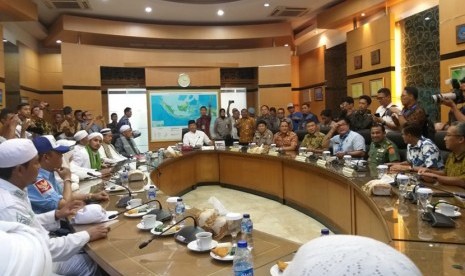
<point x="119" y="253"/>
<point x="337" y="200"/>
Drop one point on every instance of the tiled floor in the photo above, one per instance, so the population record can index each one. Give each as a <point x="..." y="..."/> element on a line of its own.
<point x="267" y="215"/>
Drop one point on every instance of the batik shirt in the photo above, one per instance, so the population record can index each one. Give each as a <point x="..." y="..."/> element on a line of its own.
<point x="424" y="154"/>
<point x="246" y="129"/>
<point x="455" y="165"/>
<point x="286" y="139"/>
<point x="265" y="138"/>
<point x="313" y="140"/>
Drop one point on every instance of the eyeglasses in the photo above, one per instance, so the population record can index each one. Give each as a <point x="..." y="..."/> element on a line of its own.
<point x="380" y="98"/>
<point x="448" y="134"/>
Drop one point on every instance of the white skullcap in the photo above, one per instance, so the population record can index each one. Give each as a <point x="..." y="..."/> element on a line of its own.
<point x="95" y="134"/>
<point x="15" y="152"/>
<point x="123" y="128"/>
<point x="349" y="255"/>
<point x="80" y="135"/>
<point x="91" y="213"/>
<point x="105" y="131"/>
<point x="66" y="142"/>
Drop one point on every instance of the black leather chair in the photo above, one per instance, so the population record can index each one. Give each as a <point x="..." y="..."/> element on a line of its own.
<point x="184" y="131"/>
<point x="439" y="141"/>
<point x="301" y="135"/>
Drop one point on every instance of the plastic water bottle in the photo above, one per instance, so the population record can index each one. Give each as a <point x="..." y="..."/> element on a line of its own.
<point x="242" y="262"/>
<point x="247" y="229"/>
<point x="125" y="178"/>
<point x="151" y="195"/>
<point x="324" y="232"/>
<point x="179" y="210"/>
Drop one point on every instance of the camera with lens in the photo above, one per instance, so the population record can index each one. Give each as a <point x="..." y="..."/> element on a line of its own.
<point x="455" y="95"/>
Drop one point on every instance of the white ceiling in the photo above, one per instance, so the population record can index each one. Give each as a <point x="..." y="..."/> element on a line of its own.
<point x="236" y="12"/>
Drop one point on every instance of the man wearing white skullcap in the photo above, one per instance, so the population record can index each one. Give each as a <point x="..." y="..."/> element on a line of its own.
<point x="107" y="151"/>
<point x="349" y="255"/>
<point x="19" y="165"/>
<point x="24" y="251"/>
<point x="88" y="158"/>
<point x="125" y="143"/>
<point x="46" y="193"/>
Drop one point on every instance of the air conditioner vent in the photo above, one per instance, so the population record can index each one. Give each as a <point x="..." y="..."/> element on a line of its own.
<point x="67" y="4"/>
<point x="282" y="11"/>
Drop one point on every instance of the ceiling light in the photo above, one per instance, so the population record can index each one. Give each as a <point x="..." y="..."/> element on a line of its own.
<point x="58" y="41"/>
<point x="286" y="45"/>
<point x="363" y="14"/>
<point x="220" y="12"/>
<point x="427" y="18"/>
<point x="148" y="9"/>
<point x="4" y="40"/>
<point x="266" y="4"/>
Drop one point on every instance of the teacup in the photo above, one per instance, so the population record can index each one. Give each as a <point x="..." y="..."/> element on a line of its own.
<point x="134" y="202"/>
<point x="149" y="221"/>
<point x="204" y="240"/>
<point x="446" y="209"/>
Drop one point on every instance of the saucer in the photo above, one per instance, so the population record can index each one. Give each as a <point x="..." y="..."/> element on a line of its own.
<point x="129" y="207"/>
<point x="227" y="258"/>
<point x="138" y="214"/>
<point x="274" y="270"/>
<point x="455" y="215"/>
<point x="114" y="188"/>
<point x="193" y="246"/>
<point x="172" y="231"/>
<point x="140" y="226"/>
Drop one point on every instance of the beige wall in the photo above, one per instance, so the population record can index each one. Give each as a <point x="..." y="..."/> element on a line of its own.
<point x="451" y="14"/>
<point x="375" y="35"/>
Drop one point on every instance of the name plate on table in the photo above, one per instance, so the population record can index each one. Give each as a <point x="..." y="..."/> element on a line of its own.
<point x="301" y="158"/>
<point x="348" y="171"/>
<point x="273" y="153"/>
<point x="208" y="147"/>
<point x="321" y="163"/>
<point x="235" y="149"/>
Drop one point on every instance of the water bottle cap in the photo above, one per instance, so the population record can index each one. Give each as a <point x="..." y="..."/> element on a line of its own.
<point x="325" y="231"/>
<point x="151" y="186"/>
<point x="179" y="199"/>
<point x="242" y="244"/>
<point x="246" y="216"/>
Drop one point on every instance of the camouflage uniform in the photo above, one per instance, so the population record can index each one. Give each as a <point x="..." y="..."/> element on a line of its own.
<point x="384" y="152"/>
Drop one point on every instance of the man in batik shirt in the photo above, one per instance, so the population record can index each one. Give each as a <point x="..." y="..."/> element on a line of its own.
<point x="246" y="127"/>
<point x="313" y="141"/>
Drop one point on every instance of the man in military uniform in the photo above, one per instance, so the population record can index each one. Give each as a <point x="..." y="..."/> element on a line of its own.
<point x="382" y="150"/>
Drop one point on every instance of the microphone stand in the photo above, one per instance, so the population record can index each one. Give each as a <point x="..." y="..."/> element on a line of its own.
<point x="122" y="212"/>
<point x="185" y="235"/>
<point x="161" y="214"/>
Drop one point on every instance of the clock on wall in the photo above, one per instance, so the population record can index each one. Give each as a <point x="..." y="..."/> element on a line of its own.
<point x="184" y="80"/>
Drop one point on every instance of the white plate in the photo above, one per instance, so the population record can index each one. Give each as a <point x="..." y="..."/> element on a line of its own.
<point x="274" y="270"/>
<point x="114" y="188"/>
<point x="227" y="258"/>
<point x="169" y="233"/>
<point x="455" y="215"/>
<point x="128" y="207"/>
<point x="137" y="215"/>
<point x="193" y="246"/>
<point x="140" y="226"/>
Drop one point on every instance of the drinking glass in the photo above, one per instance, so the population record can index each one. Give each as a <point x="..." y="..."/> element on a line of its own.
<point x="382" y="170"/>
<point x="172" y="207"/>
<point x="234" y="225"/>
<point x="403" y="181"/>
<point x="424" y="196"/>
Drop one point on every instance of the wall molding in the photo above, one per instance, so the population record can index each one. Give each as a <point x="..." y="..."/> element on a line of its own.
<point x="309" y="86"/>
<point x="81" y="87"/>
<point x="372" y="72"/>
<point x="43" y="92"/>
<point x="277" y="85"/>
<point x="457" y="54"/>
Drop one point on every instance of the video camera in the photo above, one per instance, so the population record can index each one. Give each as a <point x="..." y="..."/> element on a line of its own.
<point x="456" y="95"/>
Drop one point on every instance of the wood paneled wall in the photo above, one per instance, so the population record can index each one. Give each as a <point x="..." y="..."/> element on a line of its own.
<point x="312" y="72"/>
<point x="451" y="14"/>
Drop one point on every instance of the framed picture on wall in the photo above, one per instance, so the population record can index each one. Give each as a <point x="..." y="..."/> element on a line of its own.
<point x="318" y="93"/>
<point x="457" y="72"/>
<point x="358" y="62"/>
<point x="376" y="85"/>
<point x="24" y="99"/>
<point x="357" y="89"/>
<point x="460" y="34"/>
<point x="1" y="97"/>
<point x="376" y="57"/>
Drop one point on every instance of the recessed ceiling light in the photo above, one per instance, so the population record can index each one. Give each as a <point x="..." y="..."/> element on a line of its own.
<point x="148" y="9"/>
<point x="363" y="14"/>
<point x="286" y="45"/>
<point x="58" y="41"/>
<point x="427" y="18"/>
<point x="220" y="12"/>
<point x="4" y="40"/>
<point x="266" y="4"/>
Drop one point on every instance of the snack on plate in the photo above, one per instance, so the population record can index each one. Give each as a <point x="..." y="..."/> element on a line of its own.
<point x="221" y="251"/>
<point x="282" y="265"/>
<point x="133" y="211"/>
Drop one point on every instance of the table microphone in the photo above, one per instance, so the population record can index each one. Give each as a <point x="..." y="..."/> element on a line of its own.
<point x="185" y="235"/>
<point x="123" y="201"/>
<point x="161" y="214"/>
<point x="122" y="212"/>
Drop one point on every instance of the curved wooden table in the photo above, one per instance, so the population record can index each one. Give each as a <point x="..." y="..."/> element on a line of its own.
<point x="326" y="195"/>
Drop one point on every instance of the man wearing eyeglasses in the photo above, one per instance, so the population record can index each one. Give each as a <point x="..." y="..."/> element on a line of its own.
<point x="383" y="113"/>
<point x="454" y="172"/>
<point x="348" y="142"/>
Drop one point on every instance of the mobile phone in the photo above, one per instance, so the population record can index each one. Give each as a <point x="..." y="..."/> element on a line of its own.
<point x="377" y="115"/>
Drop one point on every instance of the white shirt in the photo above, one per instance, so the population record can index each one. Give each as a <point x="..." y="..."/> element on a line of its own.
<point x="80" y="163"/>
<point x="15" y="206"/>
<point x="233" y="129"/>
<point x="116" y="156"/>
<point x="199" y="138"/>
<point x="381" y="110"/>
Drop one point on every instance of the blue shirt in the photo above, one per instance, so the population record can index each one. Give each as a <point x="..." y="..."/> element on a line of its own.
<point x="351" y="141"/>
<point x="307" y="118"/>
<point x="45" y="193"/>
<point x="424" y="154"/>
<point x="295" y="117"/>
